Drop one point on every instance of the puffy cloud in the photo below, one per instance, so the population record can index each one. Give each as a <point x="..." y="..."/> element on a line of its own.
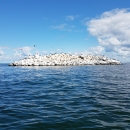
<point x="112" y="29"/>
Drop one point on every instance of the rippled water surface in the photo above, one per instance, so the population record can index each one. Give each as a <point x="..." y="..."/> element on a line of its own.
<point x="65" y="98"/>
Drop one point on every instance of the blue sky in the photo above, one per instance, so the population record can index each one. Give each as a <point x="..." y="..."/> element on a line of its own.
<point x="73" y="26"/>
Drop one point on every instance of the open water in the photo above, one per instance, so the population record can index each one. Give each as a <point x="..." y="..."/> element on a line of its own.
<point x="65" y="98"/>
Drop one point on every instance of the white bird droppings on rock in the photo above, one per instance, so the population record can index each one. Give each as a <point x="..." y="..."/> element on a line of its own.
<point x="64" y="59"/>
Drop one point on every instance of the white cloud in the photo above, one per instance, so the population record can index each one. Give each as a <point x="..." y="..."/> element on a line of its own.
<point x="4" y="57"/>
<point x="44" y="52"/>
<point x="26" y="50"/>
<point x="64" y="27"/>
<point x="4" y="47"/>
<point x="6" y="54"/>
<point x="58" y="49"/>
<point x="1" y="53"/>
<point x="17" y="54"/>
<point x="112" y="29"/>
<point x="83" y="21"/>
<point x="61" y="26"/>
<point x="96" y="50"/>
<point x="71" y="17"/>
<point x="23" y="51"/>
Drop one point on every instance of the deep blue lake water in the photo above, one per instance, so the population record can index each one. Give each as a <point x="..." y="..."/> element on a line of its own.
<point x="65" y="98"/>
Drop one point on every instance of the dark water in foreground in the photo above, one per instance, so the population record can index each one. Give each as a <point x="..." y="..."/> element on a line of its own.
<point x="65" y="98"/>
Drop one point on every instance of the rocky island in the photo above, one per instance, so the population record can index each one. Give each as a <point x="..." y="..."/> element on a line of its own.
<point x="64" y="59"/>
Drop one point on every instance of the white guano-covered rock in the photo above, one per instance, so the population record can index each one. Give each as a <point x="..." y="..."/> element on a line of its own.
<point x="64" y="59"/>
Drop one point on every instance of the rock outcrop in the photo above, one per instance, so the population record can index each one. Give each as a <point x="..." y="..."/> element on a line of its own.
<point x="64" y="59"/>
